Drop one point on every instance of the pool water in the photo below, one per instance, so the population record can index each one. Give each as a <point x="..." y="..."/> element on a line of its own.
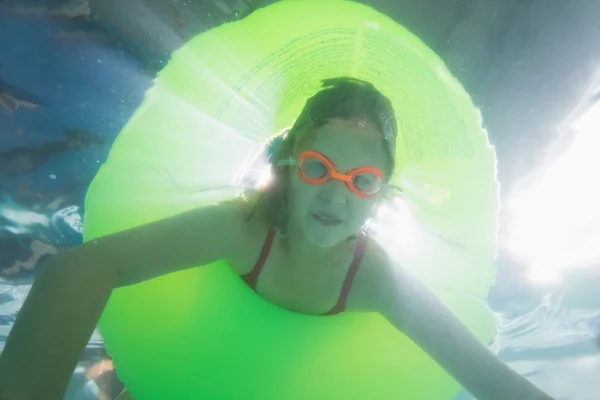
<point x="70" y="79"/>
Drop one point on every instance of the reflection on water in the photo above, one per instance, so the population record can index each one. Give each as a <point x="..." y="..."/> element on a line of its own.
<point x="555" y="345"/>
<point x="29" y="237"/>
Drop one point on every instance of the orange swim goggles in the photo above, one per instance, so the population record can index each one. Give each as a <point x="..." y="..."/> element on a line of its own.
<point x="316" y="169"/>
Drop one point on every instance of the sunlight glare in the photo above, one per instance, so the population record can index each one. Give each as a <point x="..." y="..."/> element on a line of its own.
<point x="551" y="221"/>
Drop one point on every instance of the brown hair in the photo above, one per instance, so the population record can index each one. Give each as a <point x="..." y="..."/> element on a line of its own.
<point x="339" y="98"/>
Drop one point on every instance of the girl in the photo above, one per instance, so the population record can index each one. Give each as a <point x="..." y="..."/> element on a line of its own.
<point x="305" y="229"/>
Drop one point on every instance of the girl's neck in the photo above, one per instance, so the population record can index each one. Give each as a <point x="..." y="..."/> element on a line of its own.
<point x="301" y="251"/>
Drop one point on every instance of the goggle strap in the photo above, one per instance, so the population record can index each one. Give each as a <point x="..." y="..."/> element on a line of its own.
<point x="286" y="162"/>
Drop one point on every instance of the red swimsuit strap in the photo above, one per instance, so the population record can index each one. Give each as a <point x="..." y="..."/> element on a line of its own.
<point x="358" y="256"/>
<point x="251" y="278"/>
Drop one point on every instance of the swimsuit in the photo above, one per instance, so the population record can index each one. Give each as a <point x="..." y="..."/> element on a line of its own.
<point x="251" y="278"/>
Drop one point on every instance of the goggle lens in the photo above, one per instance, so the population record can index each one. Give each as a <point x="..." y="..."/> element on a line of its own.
<point x="367" y="183"/>
<point x="313" y="169"/>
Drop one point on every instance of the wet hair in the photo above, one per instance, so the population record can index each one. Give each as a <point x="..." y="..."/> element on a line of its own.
<point x="339" y="98"/>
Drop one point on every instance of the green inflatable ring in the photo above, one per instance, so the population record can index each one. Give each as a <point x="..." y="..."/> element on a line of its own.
<point x="201" y="333"/>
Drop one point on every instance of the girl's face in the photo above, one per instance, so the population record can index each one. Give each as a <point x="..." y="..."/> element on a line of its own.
<point x="327" y="214"/>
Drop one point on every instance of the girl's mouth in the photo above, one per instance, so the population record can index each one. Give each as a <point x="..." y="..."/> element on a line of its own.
<point x="327" y="219"/>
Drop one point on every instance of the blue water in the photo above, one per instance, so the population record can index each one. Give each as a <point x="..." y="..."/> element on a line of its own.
<point x="86" y="80"/>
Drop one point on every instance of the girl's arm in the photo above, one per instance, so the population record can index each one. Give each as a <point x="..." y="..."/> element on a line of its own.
<point x="416" y="312"/>
<point x="72" y="289"/>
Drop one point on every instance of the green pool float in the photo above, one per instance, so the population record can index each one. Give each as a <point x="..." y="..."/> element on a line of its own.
<point x="202" y="333"/>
